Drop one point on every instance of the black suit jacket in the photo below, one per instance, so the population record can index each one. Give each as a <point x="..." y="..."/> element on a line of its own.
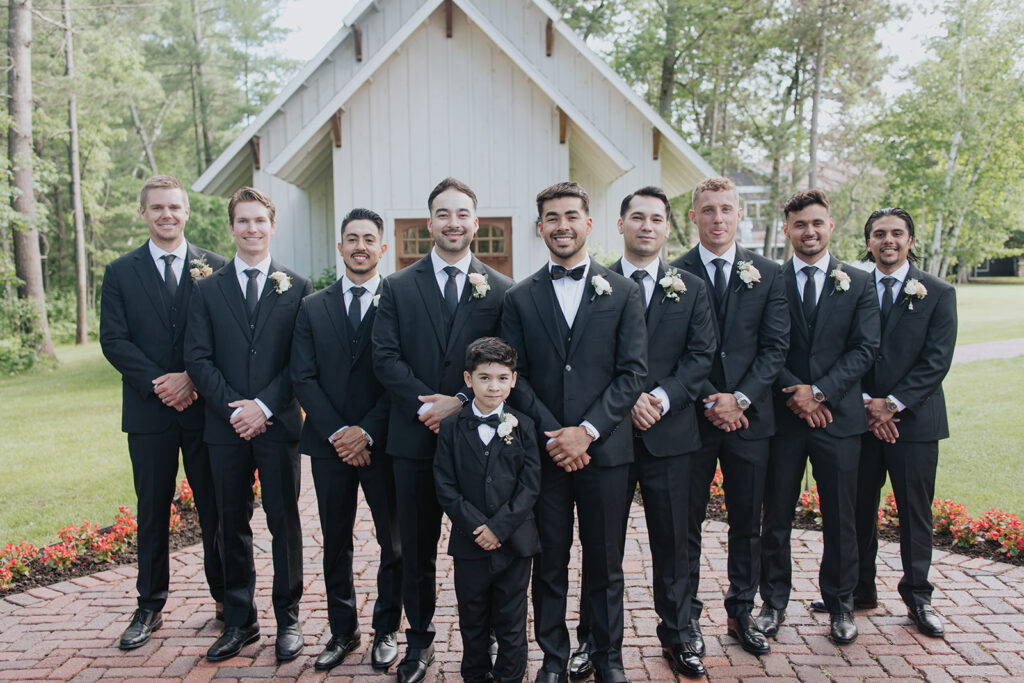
<point x="415" y="355"/>
<point x="680" y="347"/>
<point x="752" y="337"/>
<point x="142" y="335"/>
<point x="230" y="361"/>
<point x="915" y="354"/>
<point x="836" y="353"/>
<point x="496" y="485"/>
<point x="596" y="376"/>
<point x="333" y="378"/>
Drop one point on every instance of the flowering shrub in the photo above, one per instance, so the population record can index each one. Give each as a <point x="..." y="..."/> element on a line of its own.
<point x="717" y="492"/>
<point x="257" y="489"/>
<point x="125" y="525"/>
<point x="809" y="504"/>
<point x="79" y="536"/>
<point x="1003" y="529"/>
<point x="105" y="547"/>
<point x="6" y="576"/>
<point x="946" y="514"/>
<point x="15" y="558"/>
<point x="175" y="523"/>
<point x="888" y="515"/>
<point x="59" y="556"/>
<point x="184" y="496"/>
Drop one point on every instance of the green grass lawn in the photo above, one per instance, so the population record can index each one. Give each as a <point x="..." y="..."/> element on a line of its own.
<point x="987" y="312"/>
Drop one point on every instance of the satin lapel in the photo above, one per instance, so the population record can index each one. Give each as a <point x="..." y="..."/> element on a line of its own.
<point x="268" y="299"/>
<point x="150" y="279"/>
<point x="228" y="284"/>
<point x="659" y="303"/>
<point x="827" y="300"/>
<point x="426" y="283"/>
<point x="467" y="303"/>
<point x="334" y="304"/>
<point x="363" y="336"/>
<point x="793" y="296"/>
<point x="579" y="324"/>
<point x="543" y="298"/>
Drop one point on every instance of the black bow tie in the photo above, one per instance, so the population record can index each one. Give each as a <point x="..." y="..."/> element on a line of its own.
<point x="558" y="272"/>
<point x="491" y="421"/>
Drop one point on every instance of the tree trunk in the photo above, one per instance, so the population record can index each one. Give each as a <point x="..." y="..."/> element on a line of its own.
<point x="78" y="213"/>
<point x="819" y="70"/>
<point x="668" y="65"/>
<point x="27" y="257"/>
<point x="201" y="90"/>
<point x="146" y="146"/>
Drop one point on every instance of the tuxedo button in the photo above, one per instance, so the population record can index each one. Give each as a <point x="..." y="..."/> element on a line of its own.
<point x="447" y="363"/>
<point x="568" y="368"/>
<point x="487" y="453"/>
<point x="723" y="354"/>
<point x="488" y="480"/>
<point x="252" y="351"/>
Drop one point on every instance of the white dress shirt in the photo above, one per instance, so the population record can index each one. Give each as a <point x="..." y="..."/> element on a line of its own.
<point x="569" y="292"/>
<point x="180" y="253"/>
<point x="819" y="275"/>
<point x="440" y="264"/>
<point x="901" y="276"/>
<point x="486" y="432"/>
<point x="366" y="300"/>
<point x="649" y="281"/>
<point x="707" y="256"/>
<point x="243" y="282"/>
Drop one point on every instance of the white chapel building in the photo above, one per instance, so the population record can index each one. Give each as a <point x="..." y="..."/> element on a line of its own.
<point x="500" y="94"/>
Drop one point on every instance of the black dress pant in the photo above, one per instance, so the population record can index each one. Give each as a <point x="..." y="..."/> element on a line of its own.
<point x="744" y="465"/>
<point x="911" y="467"/>
<point x="419" y="523"/>
<point x="492" y="600"/>
<point x="834" y="464"/>
<point x="155" y="470"/>
<point x="233" y="468"/>
<point x="599" y="495"/>
<point x="337" y="493"/>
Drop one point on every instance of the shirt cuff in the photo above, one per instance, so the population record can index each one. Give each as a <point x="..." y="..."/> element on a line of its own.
<point x="899" y="403"/>
<point x="263" y="406"/>
<point x="660" y="394"/>
<point x="591" y="429"/>
<point x="865" y="397"/>
<point x="334" y="436"/>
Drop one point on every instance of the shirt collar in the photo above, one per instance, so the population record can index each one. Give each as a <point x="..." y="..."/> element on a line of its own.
<point x="370" y="285"/>
<point x="181" y="251"/>
<point x="241" y="266"/>
<point x="440" y="264"/>
<point x="707" y="256"/>
<point x="585" y="263"/>
<point x="900" y="274"/>
<point x="822" y="264"/>
<point x="652" y="268"/>
<point x="496" y="411"/>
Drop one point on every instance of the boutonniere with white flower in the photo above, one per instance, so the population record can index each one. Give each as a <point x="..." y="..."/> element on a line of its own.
<point x="914" y="288"/>
<point x="505" y="427"/>
<point x="282" y="283"/>
<point x="841" y="279"/>
<point x="749" y="275"/>
<point x="198" y="268"/>
<point x="376" y="300"/>
<point x="480" y="285"/>
<point x="600" y="285"/>
<point x="673" y="284"/>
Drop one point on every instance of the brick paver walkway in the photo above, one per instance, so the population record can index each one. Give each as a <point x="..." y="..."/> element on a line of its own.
<point x="68" y="631"/>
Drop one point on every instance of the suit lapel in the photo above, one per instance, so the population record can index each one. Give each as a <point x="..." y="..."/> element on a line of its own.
<point x="466" y="302"/>
<point x="476" y="446"/>
<point x="579" y="324"/>
<point x="900" y="306"/>
<point x="228" y="284"/>
<point x="734" y="291"/>
<point x="150" y="280"/>
<point x="334" y="304"/>
<point x="185" y="287"/>
<point x="363" y="336"/>
<point x="426" y="283"/>
<point x="793" y="296"/>
<point x="827" y="300"/>
<point x="268" y="299"/>
<point x="659" y="302"/>
<point x="544" y="299"/>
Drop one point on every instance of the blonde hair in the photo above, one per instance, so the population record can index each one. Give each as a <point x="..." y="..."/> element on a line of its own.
<point x="717" y="184"/>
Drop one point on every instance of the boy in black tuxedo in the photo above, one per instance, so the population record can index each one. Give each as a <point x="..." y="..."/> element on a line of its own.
<point x="487" y="474"/>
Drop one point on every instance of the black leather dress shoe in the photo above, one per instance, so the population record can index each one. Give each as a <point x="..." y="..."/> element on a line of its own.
<point x="289" y="642"/>
<point x="580" y="665"/>
<point x="743" y="629"/>
<point x="232" y="641"/>
<point x="698" y="638"/>
<point x="385" y="650"/>
<point x="610" y="676"/>
<point x="337" y="649"/>
<point x="769" y="621"/>
<point x="684" y="660"/>
<point x="549" y="677"/>
<point x="818" y="605"/>
<point x="844" y="629"/>
<point x="144" y="622"/>
<point x="928" y="621"/>
<point x="413" y="668"/>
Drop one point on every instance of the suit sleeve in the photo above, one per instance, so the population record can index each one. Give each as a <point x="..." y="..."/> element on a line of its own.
<point x="392" y="370"/>
<point x="199" y="358"/>
<point x="616" y="401"/>
<point x="116" y="341"/>
<point x="935" y="357"/>
<point x="464" y="515"/>
<point x="523" y="396"/>
<point x="772" y="343"/>
<point x="861" y="347"/>
<point x="306" y="377"/>
<point x="691" y="371"/>
<point x="517" y="509"/>
<point x="278" y="393"/>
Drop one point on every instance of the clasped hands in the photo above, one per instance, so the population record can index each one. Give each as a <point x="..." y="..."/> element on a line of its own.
<point x="881" y="421"/>
<point x="352" y="446"/>
<point x="250" y="421"/>
<point x="725" y="413"/>
<point x="175" y="389"/>
<point x="803" y="405"/>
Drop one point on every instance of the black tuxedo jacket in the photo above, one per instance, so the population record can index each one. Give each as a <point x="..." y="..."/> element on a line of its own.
<point x="142" y="334"/>
<point x="415" y="355"/>
<point x="680" y="348"/>
<point x="914" y="357"/>
<point x="752" y="337"/>
<point x="496" y="485"/>
<point x="333" y="377"/>
<point x="228" y="360"/>
<point x="596" y="374"/>
<point x="837" y="352"/>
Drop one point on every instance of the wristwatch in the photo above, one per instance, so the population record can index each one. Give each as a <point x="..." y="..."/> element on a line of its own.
<point x="891" y="406"/>
<point x="462" y="397"/>
<point x="741" y="400"/>
<point x="817" y="393"/>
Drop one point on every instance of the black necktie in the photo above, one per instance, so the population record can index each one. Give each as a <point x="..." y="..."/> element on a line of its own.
<point x="887" y="282"/>
<point x="252" y="294"/>
<point x="810" y="293"/>
<point x="355" y="308"/>
<point x="170" y="282"/>
<point x="639" y="276"/>
<point x="720" y="286"/>
<point x="451" y="290"/>
<point x="491" y="421"/>
<point x="558" y="272"/>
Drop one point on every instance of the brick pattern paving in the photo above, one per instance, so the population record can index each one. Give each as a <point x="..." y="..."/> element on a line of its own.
<point x="68" y="631"/>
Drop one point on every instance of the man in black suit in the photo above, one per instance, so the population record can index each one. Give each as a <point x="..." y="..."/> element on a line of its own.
<point x="906" y="410"/>
<point x="344" y="435"/>
<point x="579" y="334"/>
<point x="145" y="301"/>
<point x="428" y="314"/>
<point x="835" y="332"/>
<point x="237" y="350"/>
<point x="738" y="419"/>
